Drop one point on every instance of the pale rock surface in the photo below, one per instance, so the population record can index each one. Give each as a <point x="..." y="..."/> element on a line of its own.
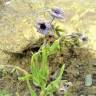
<point x="17" y="31"/>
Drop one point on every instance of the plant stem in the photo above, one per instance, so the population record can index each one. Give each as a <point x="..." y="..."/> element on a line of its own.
<point x="42" y="93"/>
<point x="30" y="88"/>
<point x="16" y="67"/>
<point x="52" y="20"/>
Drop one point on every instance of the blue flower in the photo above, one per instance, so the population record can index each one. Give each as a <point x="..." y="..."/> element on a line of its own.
<point x="57" y="13"/>
<point x="43" y="27"/>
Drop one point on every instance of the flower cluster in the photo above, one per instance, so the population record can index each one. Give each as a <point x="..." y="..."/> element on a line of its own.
<point x="45" y="27"/>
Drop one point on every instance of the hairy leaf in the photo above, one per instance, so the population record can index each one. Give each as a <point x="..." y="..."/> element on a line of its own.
<point x="54" y="85"/>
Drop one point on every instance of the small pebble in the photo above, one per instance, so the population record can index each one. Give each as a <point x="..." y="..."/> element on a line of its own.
<point x="88" y="80"/>
<point x="82" y="95"/>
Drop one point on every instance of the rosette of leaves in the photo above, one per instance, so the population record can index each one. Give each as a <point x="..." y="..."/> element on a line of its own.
<point x="40" y="70"/>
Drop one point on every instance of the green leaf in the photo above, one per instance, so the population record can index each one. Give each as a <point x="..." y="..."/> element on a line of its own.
<point x="39" y="63"/>
<point x="26" y="77"/>
<point x="55" y="47"/>
<point x="39" y="66"/>
<point x="32" y="92"/>
<point x="54" y="85"/>
<point x="58" y="30"/>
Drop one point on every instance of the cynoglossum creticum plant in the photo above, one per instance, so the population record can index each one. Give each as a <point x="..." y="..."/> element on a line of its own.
<point x="40" y="70"/>
<point x="39" y="62"/>
<point x="40" y="67"/>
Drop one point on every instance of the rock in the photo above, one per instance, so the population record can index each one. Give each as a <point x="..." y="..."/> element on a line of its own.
<point x="4" y="58"/>
<point x="17" y="31"/>
<point x="88" y="80"/>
